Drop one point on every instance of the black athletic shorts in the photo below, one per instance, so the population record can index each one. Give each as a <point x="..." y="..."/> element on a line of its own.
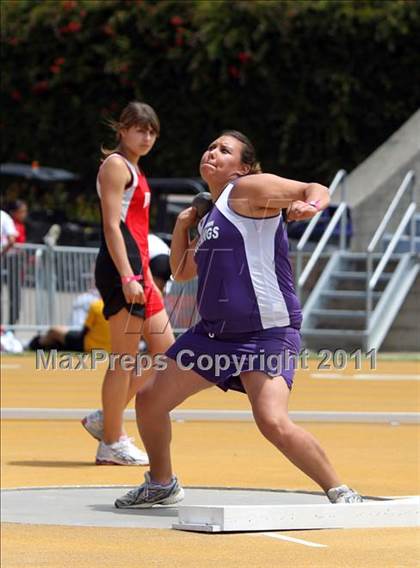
<point x="108" y="282"/>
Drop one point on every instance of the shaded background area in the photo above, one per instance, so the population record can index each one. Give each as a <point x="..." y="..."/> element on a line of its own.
<point x="317" y="85"/>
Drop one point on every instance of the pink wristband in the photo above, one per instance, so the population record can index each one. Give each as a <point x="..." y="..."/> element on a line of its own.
<point x="133" y="277"/>
<point x="314" y="204"/>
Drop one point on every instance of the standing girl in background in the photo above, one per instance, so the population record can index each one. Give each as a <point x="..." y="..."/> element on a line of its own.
<point x="132" y="304"/>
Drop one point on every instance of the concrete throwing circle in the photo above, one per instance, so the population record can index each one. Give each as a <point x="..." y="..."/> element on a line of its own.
<point x="94" y="506"/>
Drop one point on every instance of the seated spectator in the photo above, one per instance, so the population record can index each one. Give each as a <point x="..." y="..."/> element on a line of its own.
<point x="80" y="307"/>
<point x="159" y="261"/>
<point x="18" y="211"/>
<point x="94" y="334"/>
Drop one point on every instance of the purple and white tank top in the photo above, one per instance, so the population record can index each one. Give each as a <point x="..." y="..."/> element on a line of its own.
<point x="245" y="280"/>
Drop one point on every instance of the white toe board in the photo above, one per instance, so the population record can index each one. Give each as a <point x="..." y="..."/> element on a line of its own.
<point x="369" y="514"/>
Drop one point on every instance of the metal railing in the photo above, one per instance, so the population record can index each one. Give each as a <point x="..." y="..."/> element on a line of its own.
<point x="339" y="215"/>
<point x="40" y="283"/>
<point x="373" y="276"/>
<point x="43" y="286"/>
<point x="181" y="305"/>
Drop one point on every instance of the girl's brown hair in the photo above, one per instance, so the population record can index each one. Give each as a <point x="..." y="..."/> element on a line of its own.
<point x="134" y="114"/>
<point x="248" y="156"/>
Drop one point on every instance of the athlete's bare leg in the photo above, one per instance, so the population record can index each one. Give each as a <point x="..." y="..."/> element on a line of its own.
<point x="161" y="394"/>
<point x="269" y="399"/>
<point x="158" y="334"/>
<point x="125" y="337"/>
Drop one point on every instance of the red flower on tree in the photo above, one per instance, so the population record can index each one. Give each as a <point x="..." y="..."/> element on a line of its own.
<point x="123" y="68"/>
<point x="176" y="21"/>
<point x="244" y="56"/>
<point x="74" y="26"/>
<point x="234" y="71"/>
<point x="40" y="87"/>
<point x="69" y="4"/>
<point x="71" y="28"/>
<point x="108" y="30"/>
<point x="16" y="95"/>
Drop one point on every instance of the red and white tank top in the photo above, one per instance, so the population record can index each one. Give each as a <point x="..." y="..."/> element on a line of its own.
<point x="134" y="211"/>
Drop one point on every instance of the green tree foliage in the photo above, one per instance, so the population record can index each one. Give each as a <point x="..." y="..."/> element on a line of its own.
<point x="317" y="84"/>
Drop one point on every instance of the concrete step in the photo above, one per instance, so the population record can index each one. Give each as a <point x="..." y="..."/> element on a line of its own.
<point x="350" y="255"/>
<point x="339" y="314"/>
<point x="331" y="339"/>
<point x="324" y="332"/>
<point x="348" y="294"/>
<point x="357" y="275"/>
<point x="357" y="264"/>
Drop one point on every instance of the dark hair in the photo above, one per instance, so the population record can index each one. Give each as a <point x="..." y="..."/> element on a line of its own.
<point x="134" y="114"/>
<point x="13" y="206"/>
<point x="160" y="267"/>
<point x="248" y="151"/>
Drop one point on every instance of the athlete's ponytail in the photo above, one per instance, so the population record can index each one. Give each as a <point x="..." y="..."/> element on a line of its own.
<point x="248" y="156"/>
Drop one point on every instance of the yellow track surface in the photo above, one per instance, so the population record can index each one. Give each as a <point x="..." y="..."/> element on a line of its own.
<point x="376" y="459"/>
<point x="24" y="386"/>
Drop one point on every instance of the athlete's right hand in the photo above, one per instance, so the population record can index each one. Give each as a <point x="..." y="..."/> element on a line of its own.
<point x="188" y="218"/>
<point x="133" y="293"/>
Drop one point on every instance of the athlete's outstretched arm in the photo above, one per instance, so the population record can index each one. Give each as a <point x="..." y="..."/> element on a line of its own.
<point x="182" y="262"/>
<point x="272" y="192"/>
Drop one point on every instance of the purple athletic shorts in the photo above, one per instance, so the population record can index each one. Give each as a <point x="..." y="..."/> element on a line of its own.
<point x="221" y="358"/>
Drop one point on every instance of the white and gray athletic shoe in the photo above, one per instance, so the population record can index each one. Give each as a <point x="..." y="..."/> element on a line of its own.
<point x="150" y="494"/>
<point x="343" y="494"/>
<point x="123" y="452"/>
<point x="94" y="424"/>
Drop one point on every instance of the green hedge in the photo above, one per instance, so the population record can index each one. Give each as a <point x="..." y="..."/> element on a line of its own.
<point x="318" y="85"/>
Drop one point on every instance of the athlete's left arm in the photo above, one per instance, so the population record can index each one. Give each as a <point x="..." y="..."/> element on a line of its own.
<point x="268" y="191"/>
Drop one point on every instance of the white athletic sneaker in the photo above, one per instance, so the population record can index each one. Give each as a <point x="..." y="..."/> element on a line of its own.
<point x="150" y="494"/>
<point x="94" y="424"/>
<point x="343" y="494"/>
<point x="134" y="451"/>
<point x="123" y="452"/>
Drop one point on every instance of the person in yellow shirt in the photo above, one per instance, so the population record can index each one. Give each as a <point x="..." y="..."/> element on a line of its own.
<point x="98" y="334"/>
<point x="95" y="334"/>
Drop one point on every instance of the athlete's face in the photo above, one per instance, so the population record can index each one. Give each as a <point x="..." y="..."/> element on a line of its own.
<point x="138" y="139"/>
<point x="222" y="161"/>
